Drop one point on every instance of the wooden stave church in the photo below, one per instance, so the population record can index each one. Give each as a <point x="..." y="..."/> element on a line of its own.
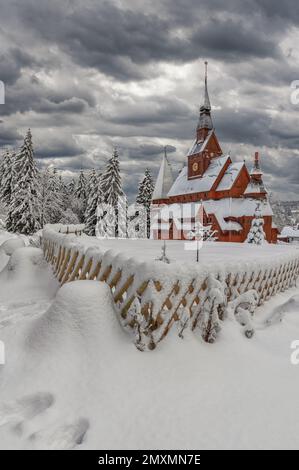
<point x="228" y="192"/>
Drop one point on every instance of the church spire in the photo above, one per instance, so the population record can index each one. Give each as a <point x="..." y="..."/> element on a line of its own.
<point x="164" y="180"/>
<point x="205" y="123"/>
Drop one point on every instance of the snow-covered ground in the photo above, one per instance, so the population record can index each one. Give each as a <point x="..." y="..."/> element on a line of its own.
<point x="180" y="251"/>
<point x="73" y="379"/>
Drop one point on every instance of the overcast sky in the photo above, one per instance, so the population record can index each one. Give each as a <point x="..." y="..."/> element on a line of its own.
<point x="88" y="75"/>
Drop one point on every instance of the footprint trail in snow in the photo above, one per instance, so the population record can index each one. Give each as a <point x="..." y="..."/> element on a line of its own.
<point x="25" y="408"/>
<point x="63" y="437"/>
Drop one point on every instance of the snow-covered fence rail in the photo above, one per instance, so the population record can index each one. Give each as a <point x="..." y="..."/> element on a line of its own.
<point x="152" y="297"/>
<point x="68" y="229"/>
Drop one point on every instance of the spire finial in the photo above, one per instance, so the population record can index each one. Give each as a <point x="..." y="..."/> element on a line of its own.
<point x="206" y="71"/>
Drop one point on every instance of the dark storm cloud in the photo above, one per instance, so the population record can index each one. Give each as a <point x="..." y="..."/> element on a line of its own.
<point x="158" y="110"/>
<point x="233" y="39"/>
<point x="145" y="152"/>
<point x="8" y="137"/>
<point x="103" y="69"/>
<point x="31" y="93"/>
<point x="58" y="149"/>
<point x="121" y="41"/>
<point x="11" y="64"/>
<point x="72" y="105"/>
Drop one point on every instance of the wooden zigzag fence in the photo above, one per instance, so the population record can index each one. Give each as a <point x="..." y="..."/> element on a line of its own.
<point x="153" y="297"/>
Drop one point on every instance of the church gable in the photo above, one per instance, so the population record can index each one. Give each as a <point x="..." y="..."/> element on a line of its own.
<point x="234" y="181"/>
<point x="201" y="154"/>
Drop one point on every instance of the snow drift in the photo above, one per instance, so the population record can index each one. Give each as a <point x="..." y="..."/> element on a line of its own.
<point x="73" y="379"/>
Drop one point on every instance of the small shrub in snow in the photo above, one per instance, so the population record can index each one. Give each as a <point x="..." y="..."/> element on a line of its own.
<point x="163" y="256"/>
<point x="242" y="309"/>
<point x="11" y="245"/>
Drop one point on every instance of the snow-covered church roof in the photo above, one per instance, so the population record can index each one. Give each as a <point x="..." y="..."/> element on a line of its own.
<point x="198" y="147"/>
<point x="234" y="207"/>
<point x="230" y="176"/>
<point x="198" y="185"/>
<point x="164" y="180"/>
<point x="255" y="188"/>
<point x="221" y="208"/>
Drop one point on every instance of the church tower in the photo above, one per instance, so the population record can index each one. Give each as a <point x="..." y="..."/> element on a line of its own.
<point x="205" y="123"/>
<point x="256" y="186"/>
<point x="206" y="145"/>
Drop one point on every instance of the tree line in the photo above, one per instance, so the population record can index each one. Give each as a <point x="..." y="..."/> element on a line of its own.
<point x="31" y="198"/>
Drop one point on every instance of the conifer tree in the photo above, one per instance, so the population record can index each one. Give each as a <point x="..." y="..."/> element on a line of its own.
<point x="24" y="209"/>
<point x="112" y="190"/>
<point x="144" y="196"/>
<point x="52" y="200"/>
<point x="6" y="175"/>
<point x="71" y="187"/>
<point x="79" y="204"/>
<point x="80" y="191"/>
<point x="256" y="233"/>
<point x="95" y="197"/>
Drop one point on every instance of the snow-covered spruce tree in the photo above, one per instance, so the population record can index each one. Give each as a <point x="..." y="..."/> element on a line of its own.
<point x="256" y="233"/>
<point x="24" y="210"/>
<point x="6" y="174"/>
<point x="2" y="165"/>
<point x="71" y="187"/>
<point x="52" y="198"/>
<point x="144" y="196"/>
<point x="68" y="217"/>
<point x="80" y="199"/>
<point x="112" y="190"/>
<point x="95" y="197"/>
<point x="80" y="191"/>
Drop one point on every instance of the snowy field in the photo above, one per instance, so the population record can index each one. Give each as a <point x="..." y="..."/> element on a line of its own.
<point x="178" y="250"/>
<point x="73" y="379"/>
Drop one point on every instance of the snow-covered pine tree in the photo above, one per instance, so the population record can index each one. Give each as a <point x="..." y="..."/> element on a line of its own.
<point x="71" y="187"/>
<point x="95" y="197"/>
<point x="7" y="173"/>
<point x="69" y="218"/>
<point x="2" y="166"/>
<point x="80" y="191"/>
<point x="144" y="196"/>
<point x="256" y="233"/>
<point x="52" y="200"/>
<point x="79" y="204"/>
<point x="112" y="190"/>
<point x="24" y="209"/>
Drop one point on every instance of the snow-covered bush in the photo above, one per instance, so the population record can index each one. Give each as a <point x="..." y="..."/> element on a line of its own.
<point x="69" y="217"/>
<point x="256" y="233"/>
<point x="11" y="245"/>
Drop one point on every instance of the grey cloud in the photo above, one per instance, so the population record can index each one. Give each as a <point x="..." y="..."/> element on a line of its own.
<point x="9" y="137"/>
<point x="121" y="41"/>
<point x="58" y="59"/>
<point x="63" y="147"/>
<point x="72" y="105"/>
<point x="11" y="64"/>
<point x="157" y="110"/>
